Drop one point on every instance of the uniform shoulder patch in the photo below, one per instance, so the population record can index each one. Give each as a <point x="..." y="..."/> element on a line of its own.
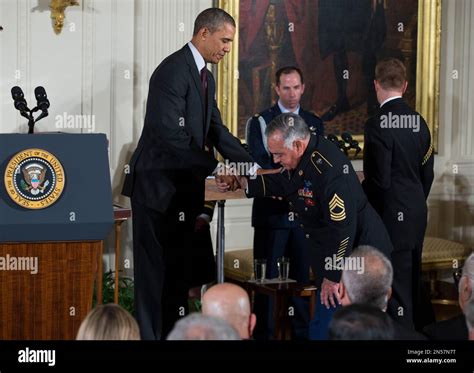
<point x="337" y="209"/>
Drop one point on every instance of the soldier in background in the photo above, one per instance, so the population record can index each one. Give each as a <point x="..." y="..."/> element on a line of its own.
<point x="398" y="169"/>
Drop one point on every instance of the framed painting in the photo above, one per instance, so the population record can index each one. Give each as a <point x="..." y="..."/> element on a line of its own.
<point x="336" y="43"/>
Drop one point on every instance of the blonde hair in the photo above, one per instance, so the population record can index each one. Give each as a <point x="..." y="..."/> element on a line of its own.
<point x="108" y="322"/>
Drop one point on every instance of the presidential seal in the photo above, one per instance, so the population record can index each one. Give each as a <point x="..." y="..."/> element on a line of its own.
<point x="34" y="179"/>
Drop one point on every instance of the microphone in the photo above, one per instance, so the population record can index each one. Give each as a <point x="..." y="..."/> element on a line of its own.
<point x="22" y="106"/>
<point x="41" y="98"/>
<point x="19" y="99"/>
<point x="355" y="145"/>
<point x="347" y="137"/>
<point x="336" y="141"/>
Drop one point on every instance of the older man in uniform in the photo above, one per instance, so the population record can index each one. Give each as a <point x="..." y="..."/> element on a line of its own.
<point x="324" y="192"/>
<point x="277" y="233"/>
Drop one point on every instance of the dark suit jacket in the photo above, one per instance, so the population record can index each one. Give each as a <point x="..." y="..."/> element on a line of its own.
<point x="398" y="168"/>
<point x="401" y="333"/>
<point x="267" y="212"/>
<point x="176" y="126"/>
<point x="454" y="329"/>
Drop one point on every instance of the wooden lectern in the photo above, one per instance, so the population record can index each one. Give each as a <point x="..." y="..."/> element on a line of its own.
<point x="55" y="212"/>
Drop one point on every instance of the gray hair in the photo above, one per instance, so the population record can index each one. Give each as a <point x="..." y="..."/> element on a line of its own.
<point x="371" y="286"/>
<point x="469" y="313"/>
<point x="468" y="274"/>
<point x="291" y="126"/>
<point x="213" y="19"/>
<point x="197" y="326"/>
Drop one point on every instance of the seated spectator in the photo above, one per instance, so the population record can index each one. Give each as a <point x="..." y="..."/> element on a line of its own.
<point x="198" y="327"/>
<point x="360" y="322"/>
<point x="231" y="303"/>
<point x="455" y="328"/>
<point x="108" y="322"/>
<point x="469" y="312"/>
<point x="369" y="281"/>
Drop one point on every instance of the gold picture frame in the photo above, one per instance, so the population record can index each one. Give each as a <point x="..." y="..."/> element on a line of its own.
<point x="427" y="69"/>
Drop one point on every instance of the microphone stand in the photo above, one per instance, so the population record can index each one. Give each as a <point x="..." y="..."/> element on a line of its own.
<point x="32" y="120"/>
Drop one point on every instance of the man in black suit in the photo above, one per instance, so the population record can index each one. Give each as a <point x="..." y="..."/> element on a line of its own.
<point x="168" y="170"/>
<point x="398" y="169"/>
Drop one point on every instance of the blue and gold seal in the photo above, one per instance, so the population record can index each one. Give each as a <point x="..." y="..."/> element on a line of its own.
<point x="34" y="179"/>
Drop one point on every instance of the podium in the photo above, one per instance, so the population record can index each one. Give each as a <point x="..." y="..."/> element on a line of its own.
<point x="55" y="211"/>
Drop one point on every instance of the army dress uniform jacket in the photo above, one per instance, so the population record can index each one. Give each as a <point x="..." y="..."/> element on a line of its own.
<point x="327" y="199"/>
<point x="269" y="213"/>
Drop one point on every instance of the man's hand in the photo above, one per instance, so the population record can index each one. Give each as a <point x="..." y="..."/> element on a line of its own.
<point x="226" y="182"/>
<point x="329" y="291"/>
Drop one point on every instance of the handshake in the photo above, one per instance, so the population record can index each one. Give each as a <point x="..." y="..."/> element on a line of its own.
<point x="228" y="180"/>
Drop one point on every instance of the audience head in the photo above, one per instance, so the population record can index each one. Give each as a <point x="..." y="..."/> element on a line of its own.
<point x="199" y="327"/>
<point x="289" y="86"/>
<point x="230" y="303"/>
<point x="108" y="322"/>
<point x="466" y="282"/>
<point x="288" y="137"/>
<point x="390" y="79"/>
<point x="360" y="322"/>
<point x="369" y="283"/>
<point x="214" y="30"/>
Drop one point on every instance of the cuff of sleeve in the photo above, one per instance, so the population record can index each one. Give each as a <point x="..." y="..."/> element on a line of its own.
<point x="253" y="170"/>
<point x="333" y="275"/>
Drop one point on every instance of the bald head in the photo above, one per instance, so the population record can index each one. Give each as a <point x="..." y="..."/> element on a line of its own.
<point x="231" y="303"/>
